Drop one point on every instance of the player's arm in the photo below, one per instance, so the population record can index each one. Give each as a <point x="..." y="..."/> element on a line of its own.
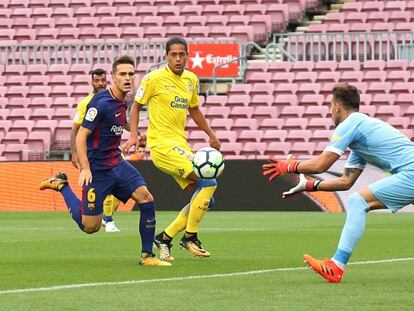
<point x="202" y="124"/>
<point x="133" y="139"/>
<point x="316" y="165"/>
<point x="85" y="176"/>
<point x="342" y="183"/>
<point x="73" y="133"/>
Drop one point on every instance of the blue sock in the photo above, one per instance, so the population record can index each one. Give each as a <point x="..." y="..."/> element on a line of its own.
<point x="353" y="229"/>
<point x="147" y="223"/>
<point x="107" y="218"/>
<point x="74" y="205"/>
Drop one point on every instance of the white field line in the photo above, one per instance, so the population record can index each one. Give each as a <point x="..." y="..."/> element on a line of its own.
<point x="185" y="278"/>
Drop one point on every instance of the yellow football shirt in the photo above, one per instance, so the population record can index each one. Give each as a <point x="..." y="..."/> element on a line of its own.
<point x="168" y="97"/>
<point x="81" y="109"/>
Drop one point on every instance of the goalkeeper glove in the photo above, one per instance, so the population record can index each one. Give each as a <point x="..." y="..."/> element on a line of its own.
<point x="305" y="184"/>
<point x="279" y="167"/>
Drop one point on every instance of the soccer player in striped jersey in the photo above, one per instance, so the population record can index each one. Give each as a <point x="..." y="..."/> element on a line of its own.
<point x="171" y="92"/>
<point x="103" y="170"/>
<point x="370" y="141"/>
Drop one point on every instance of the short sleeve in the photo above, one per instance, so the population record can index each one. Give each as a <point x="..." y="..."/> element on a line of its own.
<point x="145" y="90"/>
<point x="81" y="110"/>
<point x="343" y="136"/>
<point x="355" y="161"/>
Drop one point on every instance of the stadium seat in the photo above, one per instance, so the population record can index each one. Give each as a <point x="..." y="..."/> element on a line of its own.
<point x="298" y="135"/>
<point x="228" y="149"/>
<point x="5" y="126"/>
<point x="282" y="77"/>
<point x="62" y="134"/>
<point x="217" y="112"/>
<point x="238" y="100"/>
<point x="328" y="76"/>
<point x="286" y="100"/>
<point x="216" y="100"/>
<point x="253" y="149"/>
<point x="63" y="114"/>
<point x="312" y="100"/>
<point x="320" y="136"/>
<point x="274" y="135"/>
<point x="226" y="136"/>
<point x="398" y="76"/>
<point x="262" y="89"/>
<point x="14" y="138"/>
<point x="278" y="149"/>
<point x="46" y="125"/>
<point x="379" y="99"/>
<point x="279" y="67"/>
<point x="262" y="100"/>
<point x="292" y="112"/>
<point x="197" y="136"/>
<point x="386" y="111"/>
<point x="250" y="136"/>
<point x="22" y="126"/>
<point x="303" y="148"/>
<point x="244" y="124"/>
<point x="316" y="111"/>
<point x="4" y="112"/>
<point x="221" y="124"/>
<point x="369" y="110"/>
<point x="399" y="122"/>
<point x="16" y="152"/>
<point x="258" y="77"/>
<point x="271" y="124"/>
<point x="263" y="112"/>
<point x="320" y="124"/>
<point x="19" y="114"/>
<point x="42" y="114"/>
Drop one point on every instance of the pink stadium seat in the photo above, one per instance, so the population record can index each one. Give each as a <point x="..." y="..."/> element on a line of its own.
<point x="377" y="17"/>
<point x="302" y="66"/>
<point x="286" y="88"/>
<point x="241" y="112"/>
<point x="108" y="21"/>
<point x="66" y="102"/>
<point x="402" y="87"/>
<point x="129" y="11"/>
<point x="296" y="123"/>
<point x="5" y="125"/>
<point x="150" y="20"/>
<point x="221" y="124"/>
<point x="190" y="21"/>
<point x="198" y="31"/>
<point x="351" y="76"/>
<point x="70" y="22"/>
<point x="228" y="149"/>
<point x="216" y="100"/>
<point x="404" y="100"/>
<point x="47" y="33"/>
<point x="240" y="89"/>
<point x="262" y="112"/>
<point x="379" y="87"/>
<point x="375" y="65"/>
<point x="62" y="134"/>
<point x="394" y="6"/>
<point x="37" y="80"/>
<point x="261" y="100"/>
<point x="15" y="80"/>
<point x="45" y="125"/>
<point x="226" y="136"/>
<point x="349" y="65"/>
<point x="16" y="152"/>
<point x="197" y="137"/>
<point x="398" y="76"/>
<point x="62" y="12"/>
<point x="14" y="138"/>
<point x="39" y="91"/>
<point x="238" y="100"/>
<point x="38" y="13"/>
<point x="42" y="114"/>
<point x="253" y="149"/>
<point x="399" y="16"/>
<point x="375" y="76"/>
<point x="320" y="124"/>
<point x="19" y="114"/>
<point x="334" y="18"/>
<point x="386" y="111"/>
<point x="271" y="124"/>
<point x="305" y="77"/>
<point x="316" y="111"/>
<point x="274" y="135"/>
<point x="292" y="112"/>
<point x="213" y="9"/>
<point x="262" y="89"/>
<point x="23" y="126"/>
<point x="308" y="88"/>
<point x="177" y="31"/>
<point x="298" y="135"/>
<point x="399" y="122"/>
<point x="61" y="90"/>
<point x="63" y="114"/>
<point x="258" y="77"/>
<point x="303" y="148"/>
<point x="216" y="20"/>
<point x="217" y="112"/>
<point x="286" y="100"/>
<point x="355" y="17"/>
<point x="243" y="33"/>
<point x="189" y="10"/>
<point x="280" y="67"/>
<point x="282" y="77"/>
<point x="4" y="112"/>
<point x="244" y="124"/>
<point x="383" y="99"/>
<point x="250" y="136"/>
<point x="352" y="7"/>
<point x="278" y="149"/>
<point x="320" y="136"/>
<point x="328" y="76"/>
<point x="369" y="110"/>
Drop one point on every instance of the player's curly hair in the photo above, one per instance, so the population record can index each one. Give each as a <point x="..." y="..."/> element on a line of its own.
<point x="347" y="95"/>
<point x="175" y="40"/>
<point x="124" y="59"/>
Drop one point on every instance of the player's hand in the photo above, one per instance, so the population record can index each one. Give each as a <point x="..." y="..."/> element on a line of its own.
<point x="279" y="167"/>
<point x="132" y="141"/>
<point x="85" y="177"/>
<point x="215" y="143"/>
<point x="75" y="160"/>
<point x="305" y="184"/>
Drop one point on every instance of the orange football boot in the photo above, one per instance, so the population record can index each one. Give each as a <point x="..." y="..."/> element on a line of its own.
<point x="326" y="268"/>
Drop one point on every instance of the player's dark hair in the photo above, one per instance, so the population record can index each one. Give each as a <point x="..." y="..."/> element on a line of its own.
<point x="347" y="95"/>
<point x="97" y="72"/>
<point x="175" y="40"/>
<point x="142" y="145"/>
<point x="125" y="59"/>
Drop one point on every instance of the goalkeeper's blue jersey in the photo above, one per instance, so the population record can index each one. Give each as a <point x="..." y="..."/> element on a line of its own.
<point x="372" y="141"/>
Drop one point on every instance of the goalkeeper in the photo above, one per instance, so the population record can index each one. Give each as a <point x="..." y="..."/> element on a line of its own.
<point x="371" y="141"/>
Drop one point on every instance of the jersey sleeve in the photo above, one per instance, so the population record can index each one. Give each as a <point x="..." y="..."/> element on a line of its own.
<point x="81" y="110"/>
<point x="194" y="98"/>
<point x="355" y="161"/>
<point x="342" y="137"/>
<point x="145" y="90"/>
<point x="94" y="113"/>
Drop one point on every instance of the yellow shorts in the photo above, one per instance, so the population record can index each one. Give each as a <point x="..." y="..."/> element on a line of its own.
<point x="175" y="160"/>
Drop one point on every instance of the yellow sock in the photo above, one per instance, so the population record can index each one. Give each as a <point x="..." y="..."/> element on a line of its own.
<point x="179" y="223"/>
<point x="115" y="203"/>
<point x="198" y="208"/>
<point x="107" y="205"/>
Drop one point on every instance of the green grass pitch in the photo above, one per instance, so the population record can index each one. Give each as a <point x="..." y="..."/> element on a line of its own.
<point x="256" y="264"/>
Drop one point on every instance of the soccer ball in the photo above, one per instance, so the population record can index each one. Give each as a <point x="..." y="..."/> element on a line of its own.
<point x="208" y="163"/>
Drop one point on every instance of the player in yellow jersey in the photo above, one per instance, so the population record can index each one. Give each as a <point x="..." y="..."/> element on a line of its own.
<point x="171" y="92"/>
<point x="111" y="203"/>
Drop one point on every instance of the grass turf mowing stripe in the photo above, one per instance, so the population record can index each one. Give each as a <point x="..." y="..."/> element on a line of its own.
<point x="185" y="278"/>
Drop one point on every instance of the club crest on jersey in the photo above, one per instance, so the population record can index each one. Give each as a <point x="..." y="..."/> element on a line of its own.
<point x="91" y="114"/>
<point x="181" y="172"/>
<point x="140" y="92"/>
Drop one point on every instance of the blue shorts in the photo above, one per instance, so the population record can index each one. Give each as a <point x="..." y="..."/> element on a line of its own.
<point x="395" y="191"/>
<point x="121" y="181"/>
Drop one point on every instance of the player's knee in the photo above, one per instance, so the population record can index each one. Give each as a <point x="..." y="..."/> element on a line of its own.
<point x="202" y="182"/>
<point x="142" y="195"/>
<point x="357" y="202"/>
<point x="91" y="228"/>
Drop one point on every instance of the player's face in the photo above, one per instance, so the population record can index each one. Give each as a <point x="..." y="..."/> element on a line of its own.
<point x="99" y="83"/>
<point x="177" y="58"/>
<point x="124" y="77"/>
<point x="141" y="152"/>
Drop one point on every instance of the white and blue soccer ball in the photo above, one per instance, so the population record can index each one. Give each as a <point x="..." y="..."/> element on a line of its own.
<point x="208" y="163"/>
